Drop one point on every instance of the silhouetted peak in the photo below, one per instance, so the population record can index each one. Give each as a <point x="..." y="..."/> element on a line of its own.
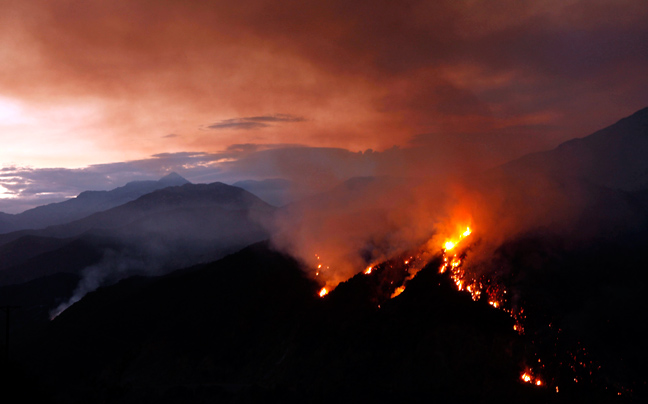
<point x="173" y="179"/>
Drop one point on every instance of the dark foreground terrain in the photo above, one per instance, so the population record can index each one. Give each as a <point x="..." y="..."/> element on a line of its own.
<point x="251" y="328"/>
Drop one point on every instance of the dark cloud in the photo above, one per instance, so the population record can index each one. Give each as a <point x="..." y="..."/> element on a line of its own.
<point x="238" y="124"/>
<point x="367" y="74"/>
<point x="485" y="81"/>
<point x="254" y="122"/>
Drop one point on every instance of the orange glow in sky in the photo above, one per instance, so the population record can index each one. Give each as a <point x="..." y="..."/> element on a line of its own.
<point x="90" y="82"/>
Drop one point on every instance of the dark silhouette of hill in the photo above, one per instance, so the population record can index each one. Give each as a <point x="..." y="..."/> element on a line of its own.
<point x="250" y="328"/>
<point x="584" y="299"/>
<point x="35" y="299"/>
<point x="614" y="157"/>
<point x="86" y="203"/>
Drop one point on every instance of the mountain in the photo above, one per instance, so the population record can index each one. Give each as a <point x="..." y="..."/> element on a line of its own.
<point x="86" y="203"/>
<point x="588" y="187"/>
<point x="567" y="229"/>
<point x="614" y="157"/>
<point x="251" y="328"/>
<point x="187" y="196"/>
<point x="163" y="230"/>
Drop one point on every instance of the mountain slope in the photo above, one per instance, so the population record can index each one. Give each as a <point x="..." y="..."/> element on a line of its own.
<point x="250" y="328"/>
<point x="586" y="187"/>
<point x="614" y="157"/>
<point x="164" y="230"/>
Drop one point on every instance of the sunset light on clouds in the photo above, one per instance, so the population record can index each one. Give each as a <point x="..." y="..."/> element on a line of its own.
<point x="115" y="84"/>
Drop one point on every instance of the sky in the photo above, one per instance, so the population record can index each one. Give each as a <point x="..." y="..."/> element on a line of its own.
<point x="94" y="94"/>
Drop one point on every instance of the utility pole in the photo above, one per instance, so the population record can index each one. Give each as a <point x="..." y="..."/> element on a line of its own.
<point x="7" y="309"/>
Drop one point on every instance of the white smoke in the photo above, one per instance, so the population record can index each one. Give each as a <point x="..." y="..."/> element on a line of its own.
<point x="113" y="267"/>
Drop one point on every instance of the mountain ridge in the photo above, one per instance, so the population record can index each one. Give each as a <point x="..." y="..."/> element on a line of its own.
<point x="178" y="225"/>
<point x="86" y="203"/>
<point x="613" y="157"/>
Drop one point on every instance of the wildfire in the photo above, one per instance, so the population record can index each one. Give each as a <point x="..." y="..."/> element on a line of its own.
<point x="321" y="269"/>
<point x="450" y="244"/>
<point x="398" y="291"/>
<point x="490" y="288"/>
<point x="477" y="287"/>
<point x="492" y="291"/>
<point x="528" y="377"/>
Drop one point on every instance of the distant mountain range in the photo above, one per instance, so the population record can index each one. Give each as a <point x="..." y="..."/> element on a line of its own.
<point x="167" y="228"/>
<point x="85" y="204"/>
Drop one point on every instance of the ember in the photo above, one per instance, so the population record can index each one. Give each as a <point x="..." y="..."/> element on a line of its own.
<point x="528" y="377"/>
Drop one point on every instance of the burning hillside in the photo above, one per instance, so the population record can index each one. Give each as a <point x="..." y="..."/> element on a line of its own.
<point x="546" y="364"/>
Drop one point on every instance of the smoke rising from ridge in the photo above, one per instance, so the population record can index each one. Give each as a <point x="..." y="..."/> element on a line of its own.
<point x="557" y="193"/>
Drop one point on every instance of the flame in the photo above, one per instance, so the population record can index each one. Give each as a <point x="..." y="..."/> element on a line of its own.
<point x="528" y="377"/>
<point x="323" y="292"/>
<point x="368" y="270"/>
<point x="464" y="281"/>
<point x="450" y="244"/>
<point x="398" y="291"/>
